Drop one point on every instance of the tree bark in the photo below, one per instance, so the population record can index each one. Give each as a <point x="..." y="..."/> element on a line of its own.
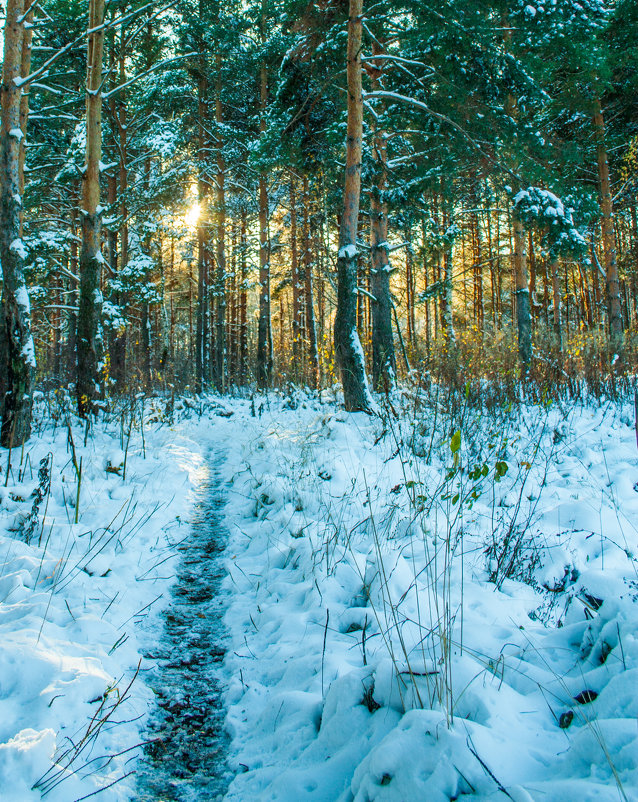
<point x="89" y="344"/>
<point x="347" y="344"/>
<point x="16" y="343"/>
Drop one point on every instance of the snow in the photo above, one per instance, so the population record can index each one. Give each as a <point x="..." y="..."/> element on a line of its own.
<point x="385" y="642"/>
<point x="28" y="352"/>
<point x="17" y="246"/>
<point x="333" y="552"/>
<point x="348" y="252"/>
<point x="22" y="300"/>
<point x="71" y="597"/>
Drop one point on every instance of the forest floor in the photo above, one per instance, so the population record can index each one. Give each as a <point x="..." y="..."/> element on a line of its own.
<point x="431" y="602"/>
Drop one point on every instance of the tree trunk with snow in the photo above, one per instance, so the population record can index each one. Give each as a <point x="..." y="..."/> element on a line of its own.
<point x="89" y="341"/>
<point x="16" y="342"/>
<point x="347" y="344"/>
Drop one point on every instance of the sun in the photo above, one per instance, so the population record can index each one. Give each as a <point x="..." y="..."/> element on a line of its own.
<point x="192" y="215"/>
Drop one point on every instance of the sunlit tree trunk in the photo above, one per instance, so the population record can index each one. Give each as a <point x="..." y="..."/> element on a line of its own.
<point x="89" y="343"/>
<point x="612" y="282"/>
<point x="16" y="343"/>
<point x="347" y="344"/>
<point x="311" y="331"/>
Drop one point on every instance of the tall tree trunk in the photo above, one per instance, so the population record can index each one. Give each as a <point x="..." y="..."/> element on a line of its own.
<point x="220" y="253"/>
<point x="202" y="313"/>
<point x="264" y="328"/>
<point x="612" y="282"/>
<point x="383" y="357"/>
<point x="347" y="344"/>
<point x="89" y="344"/>
<point x="118" y="351"/>
<point x="521" y="283"/>
<point x="16" y="342"/>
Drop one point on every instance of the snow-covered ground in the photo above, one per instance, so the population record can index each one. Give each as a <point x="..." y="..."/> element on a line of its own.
<point x="424" y="604"/>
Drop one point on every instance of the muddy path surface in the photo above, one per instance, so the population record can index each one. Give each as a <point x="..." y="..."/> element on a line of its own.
<point x="186" y="757"/>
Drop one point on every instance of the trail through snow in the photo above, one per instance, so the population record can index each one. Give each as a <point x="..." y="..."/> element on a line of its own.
<point x="186" y="759"/>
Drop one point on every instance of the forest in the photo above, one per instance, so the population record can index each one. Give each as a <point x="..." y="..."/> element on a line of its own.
<point x="319" y="413"/>
<point x="173" y="197"/>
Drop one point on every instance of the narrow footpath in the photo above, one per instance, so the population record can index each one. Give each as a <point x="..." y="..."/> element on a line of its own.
<point x="185" y="759"/>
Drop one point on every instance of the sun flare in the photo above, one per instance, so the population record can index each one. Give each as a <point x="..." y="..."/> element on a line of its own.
<point x="192" y="215"/>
